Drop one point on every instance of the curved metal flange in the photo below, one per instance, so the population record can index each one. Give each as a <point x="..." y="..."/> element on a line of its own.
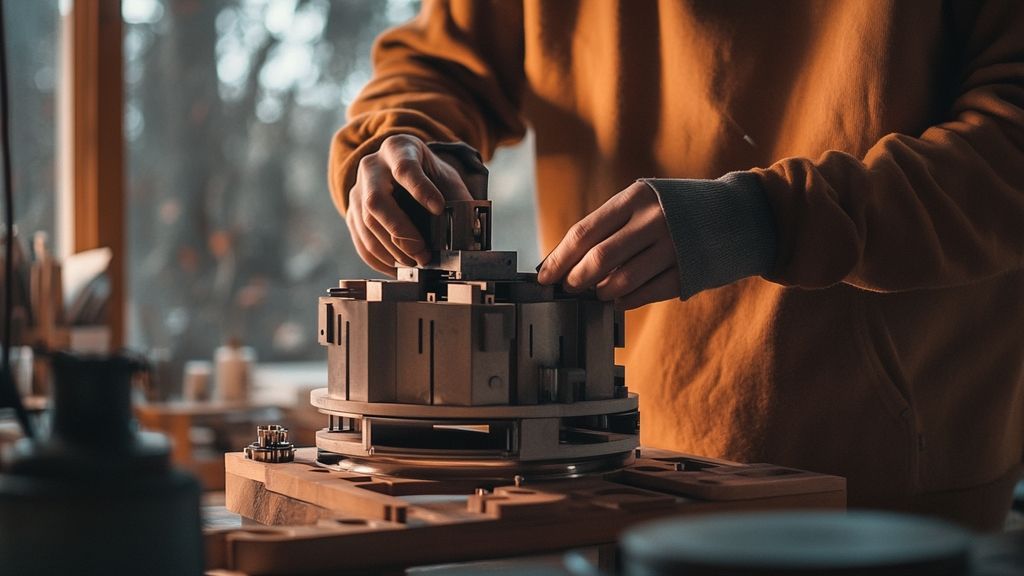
<point x="480" y="469"/>
<point x="321" y="400"/>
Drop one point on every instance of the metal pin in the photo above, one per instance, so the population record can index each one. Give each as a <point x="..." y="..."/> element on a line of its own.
<point x="518" y="480"/>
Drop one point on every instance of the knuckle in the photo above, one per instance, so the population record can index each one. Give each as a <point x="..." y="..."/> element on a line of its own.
<point x="639" y="189"/>
<point x="372" y="203"/>
<point x="622" y="279"/>
<point x="553" y="262"/>
<point x="406" y="169"/>
<point x="579" y="231"/>
<point x="367" y="162"/>
<point x="621" y="199"/>
<point x="398" y="140"/>
<point x="598" y="256"/>
<point x="391" y="144"/>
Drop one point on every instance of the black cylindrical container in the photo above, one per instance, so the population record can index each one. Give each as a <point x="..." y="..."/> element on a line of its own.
<point x="97" y="497"/>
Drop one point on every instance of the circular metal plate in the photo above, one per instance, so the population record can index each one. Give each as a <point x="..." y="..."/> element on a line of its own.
<point x="478" y="469"/>
<point x="325" y="403"/>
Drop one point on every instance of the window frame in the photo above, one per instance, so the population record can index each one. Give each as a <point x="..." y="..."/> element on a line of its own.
<point x="92" y="123"/>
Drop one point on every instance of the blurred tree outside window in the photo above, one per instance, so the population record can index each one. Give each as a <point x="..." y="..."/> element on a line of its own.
<point x="230" y="106"/>
<point x="33" y="49"/>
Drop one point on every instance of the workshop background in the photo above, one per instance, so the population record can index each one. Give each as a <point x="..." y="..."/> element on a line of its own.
<point x="170" y="157"/>
<point x="228" y="113"/>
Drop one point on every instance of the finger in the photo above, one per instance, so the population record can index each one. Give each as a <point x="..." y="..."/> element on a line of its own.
<point x="448" y="179"/>
<point x="639" y="270"/>
<point x="665" y="286"/>
<point x="356" y="231"/>
<point x="375" y="248"/>
<point x="379" y="206"/>
<point x="359" y="234"/>
<point x="611" y="253"/>
<point x="384" y="238"/>
<point x="368" y="241"/>
<point x="371" y="260"/>
<point x="405" y="161"/>
<point x="583" y="236"/>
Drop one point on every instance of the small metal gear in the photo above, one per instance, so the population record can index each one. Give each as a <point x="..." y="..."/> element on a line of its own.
<point x="271" y="445"/>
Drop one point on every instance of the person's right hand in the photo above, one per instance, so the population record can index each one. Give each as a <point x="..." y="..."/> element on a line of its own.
<point x="383" y="234"/>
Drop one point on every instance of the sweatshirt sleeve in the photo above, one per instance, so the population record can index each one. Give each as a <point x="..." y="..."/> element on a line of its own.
<point x="722" y="230"/>
<point x="945" y="208"/>
<point x="454" y="73"/>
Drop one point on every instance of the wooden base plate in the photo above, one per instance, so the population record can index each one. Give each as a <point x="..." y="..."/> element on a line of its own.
<point x="315" y="520"/>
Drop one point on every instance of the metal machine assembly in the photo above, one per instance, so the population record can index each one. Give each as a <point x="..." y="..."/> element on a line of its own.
<point x="472" y="414"/>
<point x="467" y="367"/>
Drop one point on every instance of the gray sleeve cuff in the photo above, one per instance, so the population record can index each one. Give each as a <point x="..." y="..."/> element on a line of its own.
<point x="723" y="229"/>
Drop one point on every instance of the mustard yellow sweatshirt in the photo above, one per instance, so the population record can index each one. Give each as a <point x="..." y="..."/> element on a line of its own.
<point x="884" y="340"/>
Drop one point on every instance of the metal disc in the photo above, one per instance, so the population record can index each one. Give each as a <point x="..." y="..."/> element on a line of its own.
<point x="476" y="469"/>
<point x="328" y="404"/>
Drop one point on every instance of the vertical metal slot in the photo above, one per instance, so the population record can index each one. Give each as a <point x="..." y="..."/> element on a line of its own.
<point x="328" y="324"/>
<point x="531" y="340"/>
<point x="431" y="361"/>
<point x="481" y="228"/>
<point x="449" y="238"/>
<point x="420" y="336"/>
<point x="348" y="358"/>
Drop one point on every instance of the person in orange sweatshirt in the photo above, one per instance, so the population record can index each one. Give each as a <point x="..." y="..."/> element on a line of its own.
<point x="819" y="205"/>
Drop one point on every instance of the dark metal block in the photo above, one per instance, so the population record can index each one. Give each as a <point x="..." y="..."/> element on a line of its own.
<point x="563" y="385"/>
<point x="547" y="336"/>
<point x="383" y="290"/>
<point x="471" y="265"/>
<point x="597" y="326"/>
<point x="521" y="290"/>
<point x="441" y="364"/>
<point x="361" y="359"/>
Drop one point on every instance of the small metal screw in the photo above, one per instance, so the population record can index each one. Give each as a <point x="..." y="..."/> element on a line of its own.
<point x="481" y="492"/>
<point x="679" y="466"/>
<point x="518" y="480"/>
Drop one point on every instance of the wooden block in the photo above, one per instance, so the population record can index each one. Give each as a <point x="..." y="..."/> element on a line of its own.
<point x="511" y="503"/>
<point x="720" y="483"/>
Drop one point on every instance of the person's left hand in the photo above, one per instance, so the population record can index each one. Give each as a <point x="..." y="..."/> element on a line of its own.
<point x="623" y="249"/>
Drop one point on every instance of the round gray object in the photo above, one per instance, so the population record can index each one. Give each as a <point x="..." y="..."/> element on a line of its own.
<point x="796" y="542"/>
